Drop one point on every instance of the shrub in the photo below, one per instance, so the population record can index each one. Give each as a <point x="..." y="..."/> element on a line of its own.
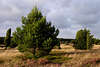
<point x="84" y="40"/>
<point x="36" y="34"/>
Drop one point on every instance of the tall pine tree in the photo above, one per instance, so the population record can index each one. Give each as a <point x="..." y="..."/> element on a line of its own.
<point x="36" y="34"/>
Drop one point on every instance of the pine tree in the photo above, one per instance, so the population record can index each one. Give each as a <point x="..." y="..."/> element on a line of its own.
<point x="8" y="38"/>
<point x="36" y="34"/>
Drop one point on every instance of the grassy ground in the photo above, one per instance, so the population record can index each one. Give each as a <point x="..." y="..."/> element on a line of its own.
<point x="80" y="58"/>
<point x="7" y="55"/>
<point x="65" y="57"/>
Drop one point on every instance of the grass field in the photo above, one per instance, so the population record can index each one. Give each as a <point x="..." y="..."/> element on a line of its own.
<point x="65" y="57"/>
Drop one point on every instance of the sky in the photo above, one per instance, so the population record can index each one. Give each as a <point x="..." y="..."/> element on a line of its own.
<point x="68" y="16"/>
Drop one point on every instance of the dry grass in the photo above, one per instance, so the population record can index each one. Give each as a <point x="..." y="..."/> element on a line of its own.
<point x="8" y="55"/>
<point x="80" y="58"/>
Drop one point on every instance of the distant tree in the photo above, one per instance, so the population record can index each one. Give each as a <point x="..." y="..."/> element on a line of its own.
<point x="36" y="34"/>
<point x="2" y="40"/>
<point x="73" y="41"/>
<point x="8" y="38"/>
<point x="84" y="40"/>
<point x="96" y="41"/>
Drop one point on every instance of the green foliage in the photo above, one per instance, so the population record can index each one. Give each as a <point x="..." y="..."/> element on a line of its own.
<point x="13" y="43"/>
<point x="58" y="45"/>
<point x="96" y="41"/>
<point x="57" y="59"/>
<point x="36" y="34"/>
<point x="84" y="40"/>
<point x="73" y="41"/>
<point x="28" y="55"/>
<point x="8" y="38"/>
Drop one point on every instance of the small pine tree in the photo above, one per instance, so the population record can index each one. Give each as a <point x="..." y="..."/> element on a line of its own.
<point x="36" y="34"/>
<point x="8" y="38"/>
<point x="84" y="40"/>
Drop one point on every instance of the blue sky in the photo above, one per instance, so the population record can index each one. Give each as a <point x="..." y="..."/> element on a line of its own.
<point x="67" y="15"/>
